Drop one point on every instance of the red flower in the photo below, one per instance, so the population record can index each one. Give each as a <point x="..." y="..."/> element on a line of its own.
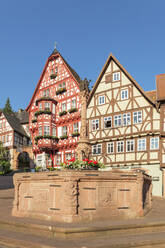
<point x="95" y="162"/>
<point x="86" y="160"/>
<point x="90" y="161"/>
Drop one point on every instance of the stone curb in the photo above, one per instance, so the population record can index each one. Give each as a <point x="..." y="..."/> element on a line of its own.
<point x="66" y="231"/>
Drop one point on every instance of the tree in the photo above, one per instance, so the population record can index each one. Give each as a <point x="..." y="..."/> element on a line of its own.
<point x="8" y="109"/>
<point x="4" y="159"/>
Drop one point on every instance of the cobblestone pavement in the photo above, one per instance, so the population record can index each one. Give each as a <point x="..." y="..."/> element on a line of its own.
<point x="10" y="236"/>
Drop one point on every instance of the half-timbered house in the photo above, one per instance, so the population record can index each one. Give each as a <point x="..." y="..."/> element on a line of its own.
<point x="126" y="124"/>
<point x="54" y="113"/>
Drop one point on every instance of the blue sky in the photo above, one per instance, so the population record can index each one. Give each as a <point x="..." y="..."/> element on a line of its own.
<point x="86" y="32"/>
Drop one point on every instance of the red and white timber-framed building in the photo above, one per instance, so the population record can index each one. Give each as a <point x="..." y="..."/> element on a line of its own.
<point x="54" y="113"/>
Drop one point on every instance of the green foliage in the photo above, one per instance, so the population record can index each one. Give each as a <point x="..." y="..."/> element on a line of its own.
<point x="86" y="164"/>
<point x="40" y="112"/>
<point x="4" y="160"/>
<point x="64" y="137"/>
<point x="76" y="134"/>
<point x="38" y="168"/>
<point x="8" y="109"/>
<point x="46" y="137"/>
<point x="62" y="113"/>
<point x="72" y="110"/>
<point x="60" y="91"/>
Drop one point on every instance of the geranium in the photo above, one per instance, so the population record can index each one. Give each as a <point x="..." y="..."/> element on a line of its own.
<point x="86" y="160"/>
<point x="95" y="162"/>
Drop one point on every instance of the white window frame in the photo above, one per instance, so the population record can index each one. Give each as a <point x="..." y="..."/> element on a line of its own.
<point x="117" y="120"/>
<point x="47" y="105"/>
<point x="95" y="124"/>
<point x="130" y="145"/>
<point x="63" y="106"/>
<point x="124" y="94"/>
<point x="40" y="130"/>
<point x="120" y="147"/>
<point x="58" y="159"/>
<point x="64" y="130"/>
<point x="126" y="119"/>
<point x="73" y="103"/>
<point x="101" y="100"/>
<point x="53" y="131"/>
<point x="137" y="117"/>
<point x="108" y="118"/>
<point x="46" y="130"/>
<point x="97" y="149"/>
<point x="116" y="76"/>
<point x="154" y="143"/>
<point x="110" y="147"/>
<point x="141" y="144"/>
<point x="75" y="127"/>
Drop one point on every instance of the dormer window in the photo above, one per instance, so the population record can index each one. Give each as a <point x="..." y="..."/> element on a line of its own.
<point x="116" y="76"/>
<point x="108" y="122"/>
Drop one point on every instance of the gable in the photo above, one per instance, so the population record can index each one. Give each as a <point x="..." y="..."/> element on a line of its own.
<point x="54" y="63"/>
<point x="105" y="80"/>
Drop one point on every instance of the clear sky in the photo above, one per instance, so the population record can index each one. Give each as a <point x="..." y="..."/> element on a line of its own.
<point x="86" y="31"/>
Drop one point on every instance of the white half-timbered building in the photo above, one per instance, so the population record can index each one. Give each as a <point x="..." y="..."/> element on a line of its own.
<point x="125" y="123"/>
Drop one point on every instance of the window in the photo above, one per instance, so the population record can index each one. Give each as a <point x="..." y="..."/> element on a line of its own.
<point x="53" y="109"/>
<point x="53" y="131"/>
<point x="96" y="149"/>
<point x="4" y="124"/>
<point x="130" y="145"/>
<point x="95" y="125"/>
<point x="46" y="93"/>
<point x="101" y="100"/>
<point x="0" y="124"/>
<point x="126" y="119"/>
<point x="137" y="117"/>
<point x="141" y="145"/>
<point x="46" y="130"/>
<point x="7" y="138"/>
<point x="64" y="130"/>
<point x="60" y="86"/>
<point x="68" y="156"/>
<point x="58" y="159"/>
<point x="124" y="94"/>
<point x="110" y="147"/>
<point x="40" y="130"/>
<point x="40" y="106"/>
<point x="64" y="85"/>
<point x="120" y="146"/>
<point x="107" y="122"/>
<point x="47" y="105"/>
<point x="56" y="70"/>
<point x="39" y="160"/>
<point x="117" y="120"/>
<point x="75" y="127"/>
<point x="49" y="160"/>
<point x="116" y="76"/>
<point x="73" y="103"/>
<point x="3" y="139"/>
<point x="154" y="143"/>
<point x="63" y="106"/>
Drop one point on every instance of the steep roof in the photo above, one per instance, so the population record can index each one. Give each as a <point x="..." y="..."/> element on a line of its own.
<point x="15" y="124"/>
<point x="111" y="57"/>
<point x="152" y="95"/>
<point x="23" y="116"/>
<point x="160" y="85"/>
<point x="54" y="54"/>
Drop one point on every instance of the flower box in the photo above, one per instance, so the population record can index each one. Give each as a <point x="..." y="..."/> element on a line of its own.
<point x="62" y="113"/>
<point x="34" y="120"/>
<point x="72" y="110"/>
<point x="60" y="91"/>
<point x="40" y="112"/>
<point x="75" y="134"/>
<point x="53" y="75"/>
<point x="64" y="137"/>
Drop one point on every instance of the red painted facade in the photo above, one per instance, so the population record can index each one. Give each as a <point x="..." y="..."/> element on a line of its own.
<point x="54" y="113"/>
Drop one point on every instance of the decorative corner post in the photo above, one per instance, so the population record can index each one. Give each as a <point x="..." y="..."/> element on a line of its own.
<point x="83" y="148"/>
